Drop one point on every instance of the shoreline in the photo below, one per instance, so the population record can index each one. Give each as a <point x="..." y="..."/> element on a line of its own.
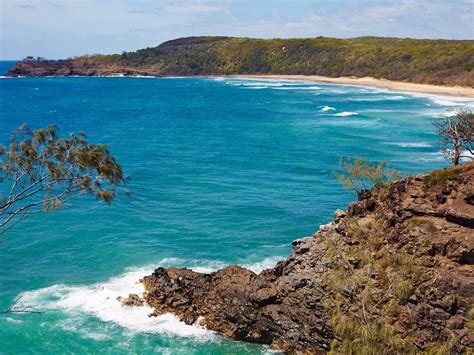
<point x="390" y="85"/>
<point x="396" y="86"/>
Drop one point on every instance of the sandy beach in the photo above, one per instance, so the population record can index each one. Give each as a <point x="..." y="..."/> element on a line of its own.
<point x="380" y="83"/>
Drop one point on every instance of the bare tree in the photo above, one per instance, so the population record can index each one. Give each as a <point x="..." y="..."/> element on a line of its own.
<point x="457" y="133"/>
<point x="40" y="171"/>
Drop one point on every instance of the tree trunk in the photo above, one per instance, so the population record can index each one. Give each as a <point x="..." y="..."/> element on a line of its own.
<point x="457" y="151"/>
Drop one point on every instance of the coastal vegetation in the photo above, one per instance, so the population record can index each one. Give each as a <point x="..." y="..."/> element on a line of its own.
<point x="39" y="172"/>
<point x="446" y="62"/>
<point x="360" y="174"/>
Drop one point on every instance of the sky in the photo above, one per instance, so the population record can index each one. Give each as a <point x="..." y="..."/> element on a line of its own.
<point x="65" y="28"/>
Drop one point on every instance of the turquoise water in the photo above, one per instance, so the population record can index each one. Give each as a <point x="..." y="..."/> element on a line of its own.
<point x="222" y="171"/>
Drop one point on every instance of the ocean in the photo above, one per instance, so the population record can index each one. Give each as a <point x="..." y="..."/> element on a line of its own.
<point x="221" y="171"/>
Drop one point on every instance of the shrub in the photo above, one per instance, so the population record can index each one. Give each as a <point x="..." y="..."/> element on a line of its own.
<point x="360" y="174"/>
<point x="441" y="177"/>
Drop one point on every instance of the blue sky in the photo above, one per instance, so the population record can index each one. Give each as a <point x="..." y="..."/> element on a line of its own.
<point x="63" y="28"/>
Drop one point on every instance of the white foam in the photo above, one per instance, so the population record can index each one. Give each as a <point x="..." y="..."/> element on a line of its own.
<point x="335" y="91"/>
<point x="429" y="157"/>
<point x="266" y="263"/>
<point x="255" y="84"/>
<point x="266" y="83"/>
<point x="346" y="113"/>
<point x="444" y="102"/>
<point x="13" y="320"/>
<point x="447" y="114"/>
<point x="378" y="98"/>
<point x="298" y="88"/>
<point x="411" y="144"/>
<point x="467" y="156"/>
<point x="260" y="81"/>
<point x="100" y="301"/>
<point x="257" y="87"/>
<point x="327" y="108"/>
<point x="449" y="101"/>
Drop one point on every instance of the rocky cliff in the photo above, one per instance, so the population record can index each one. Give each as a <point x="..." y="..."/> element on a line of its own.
<point x="443" y="62"/>
<point x="393" y="274"/>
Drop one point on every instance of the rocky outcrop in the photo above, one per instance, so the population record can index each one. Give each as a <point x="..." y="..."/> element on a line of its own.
<point x="393" y="274"/>
<point x="75" y="67"/>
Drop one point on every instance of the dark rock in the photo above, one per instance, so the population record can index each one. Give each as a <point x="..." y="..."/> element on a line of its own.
<point x="339" y="214"/>
<point x="131" y="300"/>
<point x="364" y="194"/>
<point x="470" y="198"/>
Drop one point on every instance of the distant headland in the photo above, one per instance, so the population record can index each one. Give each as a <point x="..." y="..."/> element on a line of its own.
<point x="434" y="62"/>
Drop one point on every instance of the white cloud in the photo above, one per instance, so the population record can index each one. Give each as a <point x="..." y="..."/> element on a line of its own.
<point x="194" y="7"/>
<point x="58" y="29"/>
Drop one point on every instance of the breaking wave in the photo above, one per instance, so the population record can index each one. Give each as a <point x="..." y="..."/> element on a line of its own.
<point x="411" y="144"/>
<point x="346" y="113"/>
<point x="327" y="108"/>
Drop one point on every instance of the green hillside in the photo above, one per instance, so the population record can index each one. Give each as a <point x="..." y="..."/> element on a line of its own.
<point x="424" y="61"/>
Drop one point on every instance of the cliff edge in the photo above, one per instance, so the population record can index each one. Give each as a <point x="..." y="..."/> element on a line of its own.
<point x="393" y="274"/>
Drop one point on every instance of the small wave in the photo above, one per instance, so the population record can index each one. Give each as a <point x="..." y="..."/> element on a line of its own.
<point x="13" y="320"/>
<point x="264" y="84"/>
<point x="449" y="101"/>
<point x="256" y="87"/>
<point x="346" y="113"/>
<point x="445" y="114"/>
<point x="297" y="88"/>
<point x="429" y="157"/>
<point x="443" y="102"/>
<point x="266" y="263"/>
<point x="143" y="76"/>
<point x="337" y="92"/>
<point x="327" y="108"/>
<point x="411" y="145"/>
<point x="378" y="98"/>
<point x="257" y="84"/>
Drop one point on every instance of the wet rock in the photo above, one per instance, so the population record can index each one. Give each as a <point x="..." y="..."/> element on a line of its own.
<point x="131" y="300"/>
<point x="469" y="198"/>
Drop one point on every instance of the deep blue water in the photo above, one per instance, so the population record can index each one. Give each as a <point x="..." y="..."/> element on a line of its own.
<point x="5" y="65"/>
<point x="222" y="171"/>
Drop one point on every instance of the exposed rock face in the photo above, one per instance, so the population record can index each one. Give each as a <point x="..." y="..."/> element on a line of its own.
<point x="394" y="274"/>
<point x="75" y="68"/>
